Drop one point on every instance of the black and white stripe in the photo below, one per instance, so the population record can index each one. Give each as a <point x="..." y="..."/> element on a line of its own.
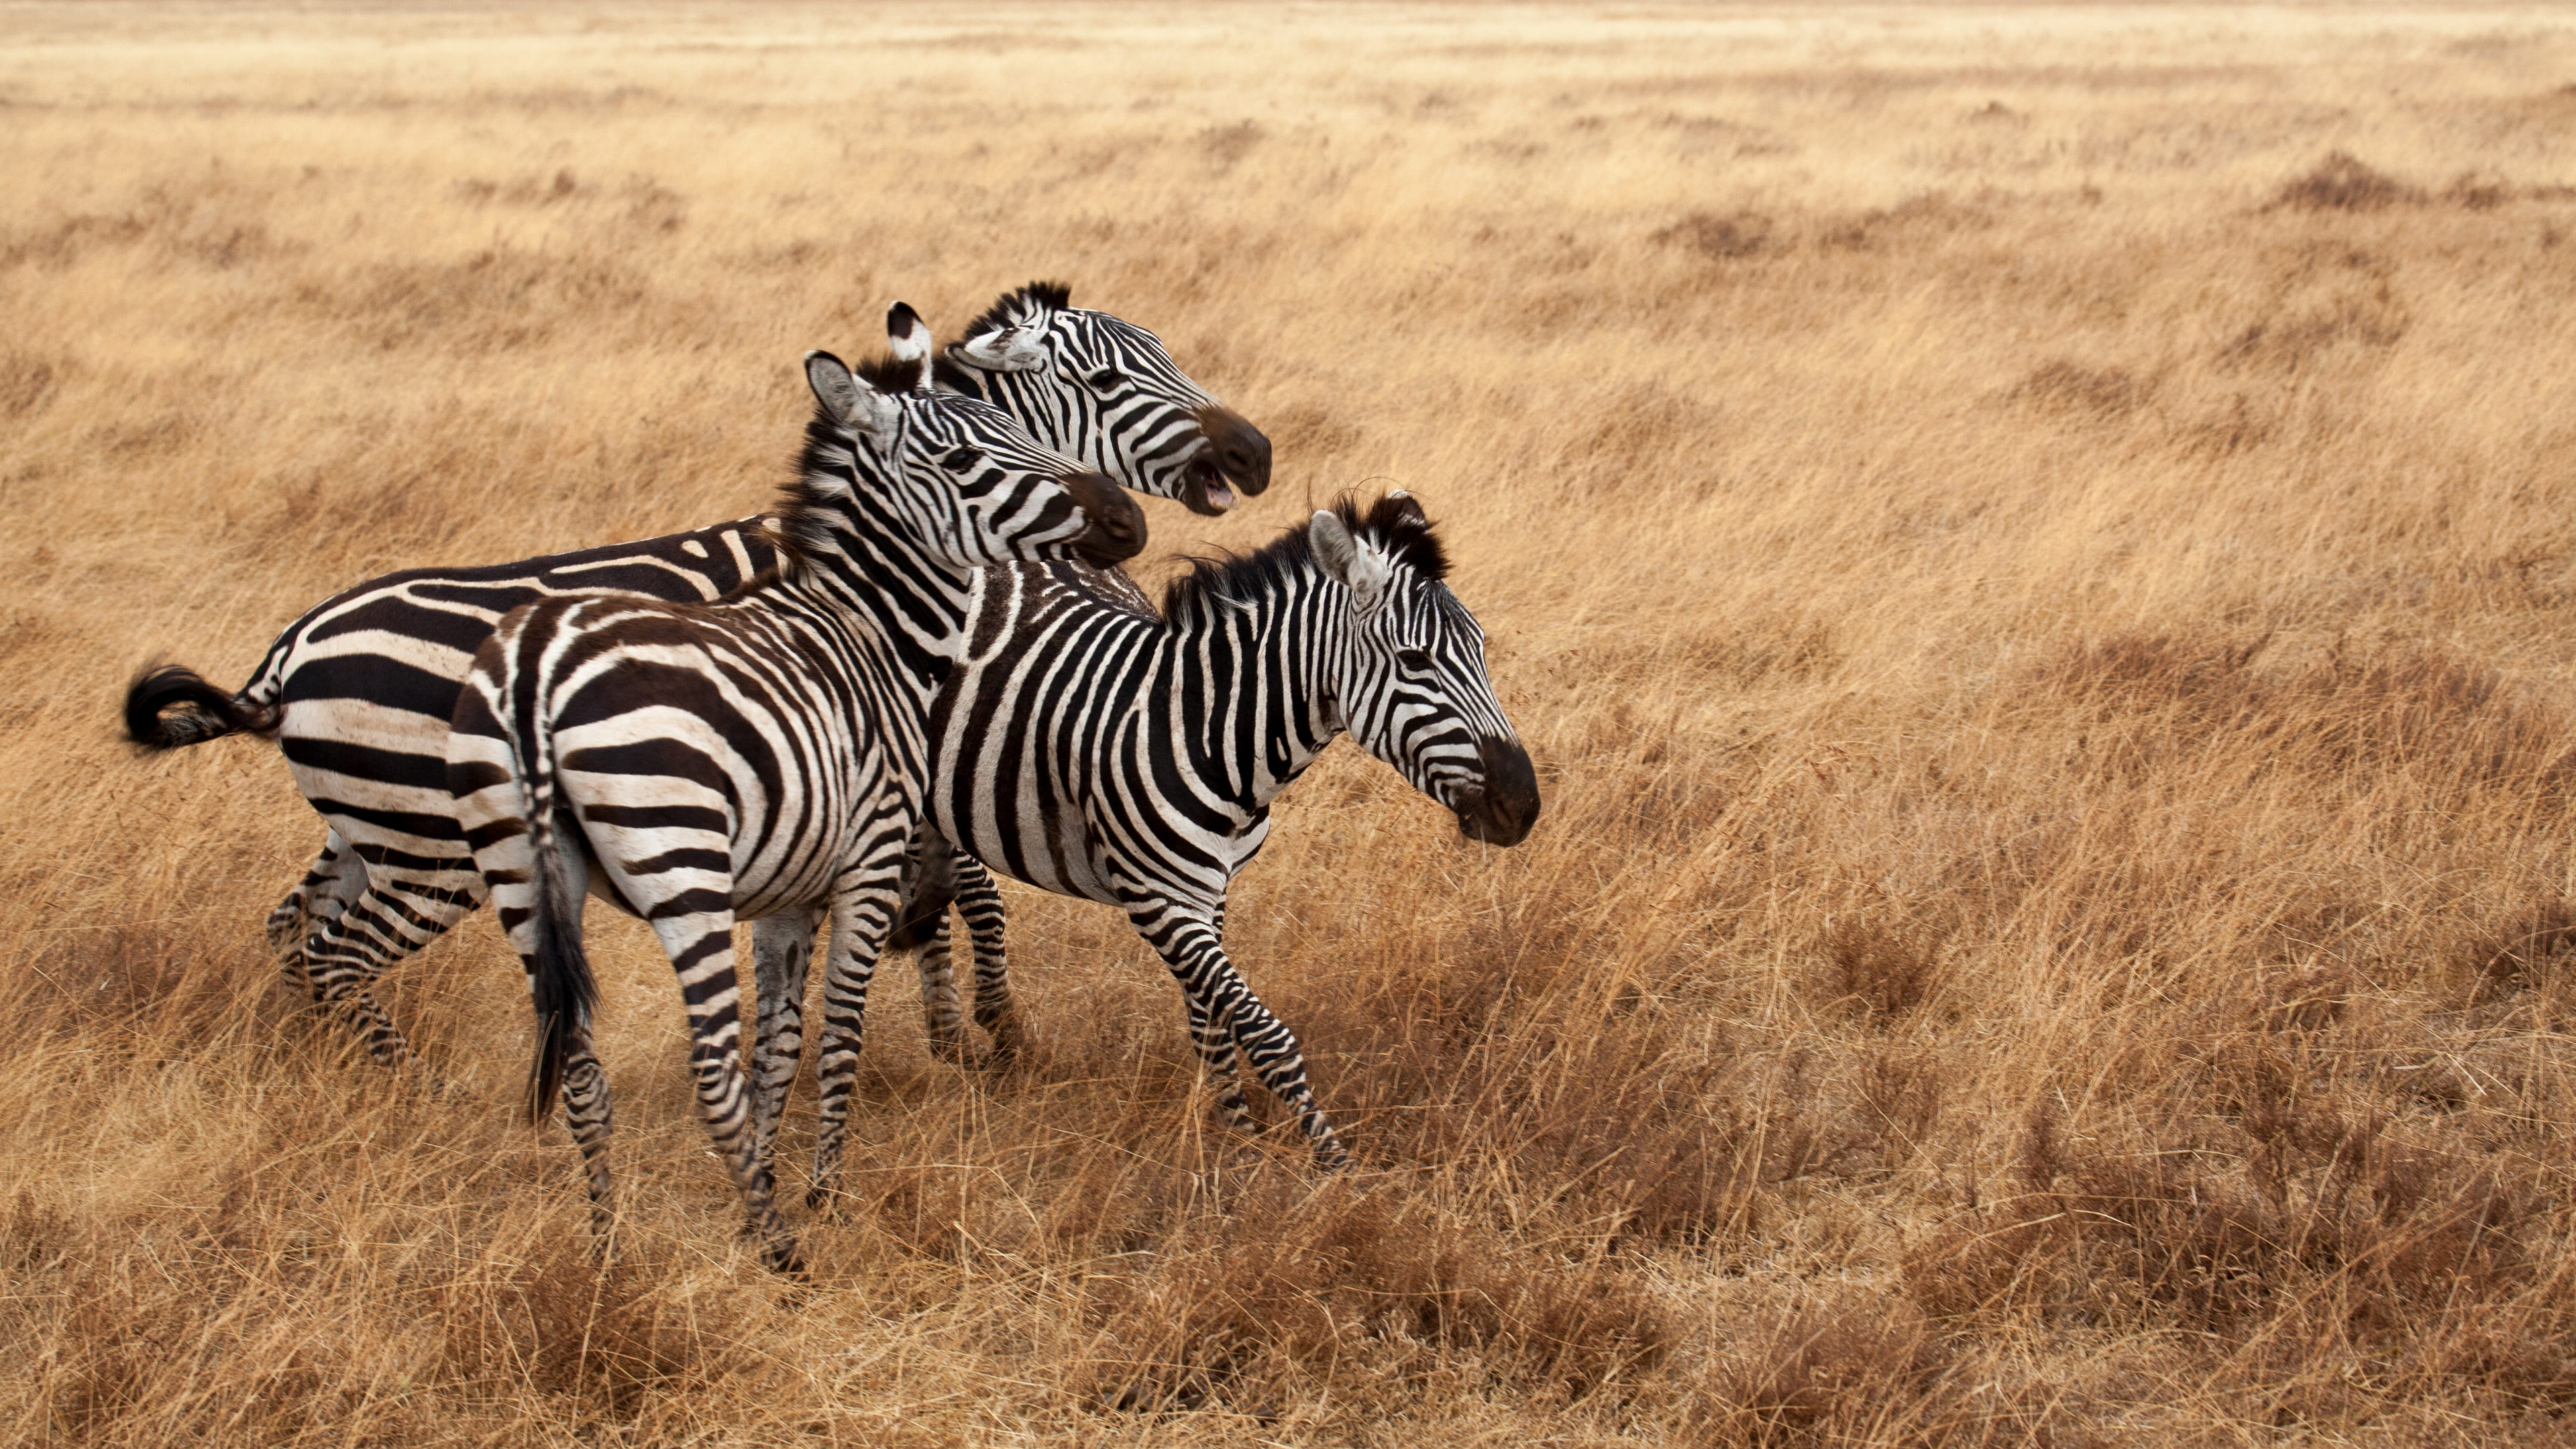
<point x="698" y="763"/>
<point x="1098" y="751"/>
<point x="359" y="690"/>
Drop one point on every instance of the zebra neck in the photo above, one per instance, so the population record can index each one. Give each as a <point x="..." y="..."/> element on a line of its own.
<point x="915" y="603"/>
<point x="1042" y="407"/>
<point x="1267" y="667"/>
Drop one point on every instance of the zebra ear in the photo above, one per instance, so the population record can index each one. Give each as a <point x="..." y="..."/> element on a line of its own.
<point x="908" y="337"/>
<point x="847" y="401"/>
<point x="833" y="386"/>
<point x="1346" y="562"/>
<point x="1007" y="349"/>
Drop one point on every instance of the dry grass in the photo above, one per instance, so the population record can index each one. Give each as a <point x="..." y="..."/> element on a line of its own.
<point x="2032" y="548"/>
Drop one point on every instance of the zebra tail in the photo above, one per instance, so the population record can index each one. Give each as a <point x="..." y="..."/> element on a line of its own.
<point x="206" y="711"/>
<point x="560" y="984"/>
<point x="929" y="886"/>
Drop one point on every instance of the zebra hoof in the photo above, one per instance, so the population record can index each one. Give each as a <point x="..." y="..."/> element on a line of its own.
<point x="787" y="1260"/>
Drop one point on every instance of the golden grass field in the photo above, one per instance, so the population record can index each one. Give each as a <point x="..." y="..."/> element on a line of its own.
<point x="2035" y="550"/>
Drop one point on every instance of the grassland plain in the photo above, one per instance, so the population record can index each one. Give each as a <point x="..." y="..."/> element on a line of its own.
<point x="2035" y="550"/>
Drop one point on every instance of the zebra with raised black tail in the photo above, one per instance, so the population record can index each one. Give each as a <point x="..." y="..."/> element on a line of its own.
<point x="358" y="691"/>
<point x="1097" y="751"/>
<point x="759" y="754"/>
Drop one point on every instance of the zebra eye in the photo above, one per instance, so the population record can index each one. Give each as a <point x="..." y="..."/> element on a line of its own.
<point x="962" y="459"/>
<point x="1107" y="378"/>
<point x="1414" y="659"/>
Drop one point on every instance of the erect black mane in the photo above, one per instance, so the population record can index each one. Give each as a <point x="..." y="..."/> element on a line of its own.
<point x="797" y="524"/>
<point x="1006" y="309"/>
<point x="889" y="373"/>
<point x="1394" y="525"/>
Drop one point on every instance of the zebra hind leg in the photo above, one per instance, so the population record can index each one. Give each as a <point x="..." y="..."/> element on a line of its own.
<point x="700" y="945"/>
<point x="335" y="878"/>
<point x="347" y="952"/>
<point x="782" y="949"/>
<point x="587" y="1113"/>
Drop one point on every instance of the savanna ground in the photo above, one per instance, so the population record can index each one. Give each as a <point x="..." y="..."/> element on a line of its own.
<point x="2034" y="549"/>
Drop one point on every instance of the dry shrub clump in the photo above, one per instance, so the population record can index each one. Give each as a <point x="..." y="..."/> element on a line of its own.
<point x="1741" y="234"/>
<point x="2285" y="1220"/>
<point x="2342" y="182"/>
<point x="2034" y="579"/>
<point x="2107" y="392"/>
<point x="605" y="1342"/>
<point x="1293" y="1279"/>
<point x="1826" y="1372"/>
<point x="2353" y="714"/>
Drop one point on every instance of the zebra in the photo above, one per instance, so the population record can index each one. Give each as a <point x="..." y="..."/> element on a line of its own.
<point x="1103" y="390"/>
<point x="1098" y="751"/>
<point x="359" y="690"/>
<point x="691" y="763"/>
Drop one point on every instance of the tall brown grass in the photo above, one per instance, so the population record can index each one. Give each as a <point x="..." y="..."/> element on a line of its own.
<point x="2032" y="548"/>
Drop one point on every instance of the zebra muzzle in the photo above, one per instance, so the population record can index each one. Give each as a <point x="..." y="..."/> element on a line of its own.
<point x="1504" y="806"/>
<point x="1116" y="530"/>
<point x="1236" y="459"/>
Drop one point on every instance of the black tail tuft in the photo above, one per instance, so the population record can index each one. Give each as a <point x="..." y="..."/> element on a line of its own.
<point x="204" y="711"/>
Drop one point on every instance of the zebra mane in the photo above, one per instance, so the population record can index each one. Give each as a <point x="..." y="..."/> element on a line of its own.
<point x="1395" y="524"/>
<point x="798" y="523"/>
<point x="1006" y="310"/>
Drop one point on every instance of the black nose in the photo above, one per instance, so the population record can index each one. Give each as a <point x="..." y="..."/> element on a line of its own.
<point x="1503" y="812"/>
<point x="1239" y="448"/>
<point x="1117" y="531"/>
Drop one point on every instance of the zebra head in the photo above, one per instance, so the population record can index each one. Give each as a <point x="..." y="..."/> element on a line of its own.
<point x="1413" y="690"/>
<point x="960" y="479"/>
<point x="1104" y="391"/>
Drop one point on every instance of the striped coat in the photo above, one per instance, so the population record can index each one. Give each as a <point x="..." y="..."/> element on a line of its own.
<point x="359" y="690"/>
<point x="1098" y="751"/>
<point x="699" y="763"/>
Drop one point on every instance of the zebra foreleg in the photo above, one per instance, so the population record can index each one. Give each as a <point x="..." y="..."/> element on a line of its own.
<point x="979" y="900"/>
<point x="862" y="913"/>
<point x="1214" y="1042"/>
<point x="943" y="1021"/>
<point x="1223" y="1009"/>
<point x="782" y="949"/>
<point x="929" y="886"/>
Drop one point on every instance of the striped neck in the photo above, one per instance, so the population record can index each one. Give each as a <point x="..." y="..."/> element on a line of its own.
<point x="1258" y="665"/>
<point x="852" y="554"/>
